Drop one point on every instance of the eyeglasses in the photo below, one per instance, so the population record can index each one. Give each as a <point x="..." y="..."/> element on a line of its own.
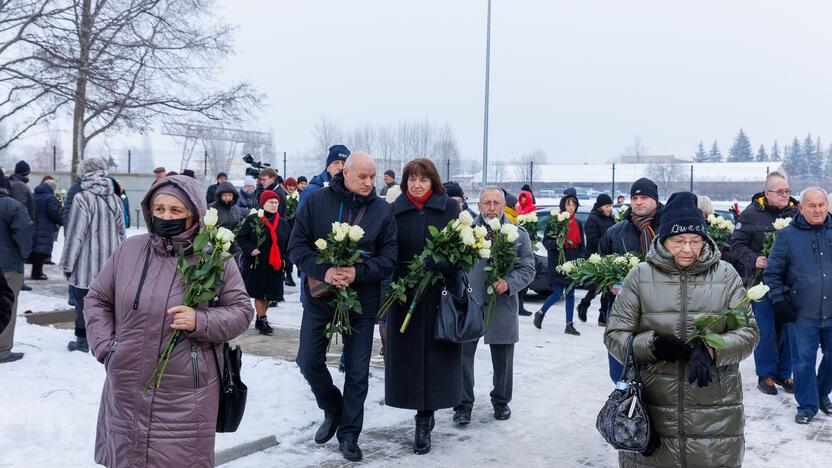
<point x="681" y="243"/>
<point x="781" y="193"/>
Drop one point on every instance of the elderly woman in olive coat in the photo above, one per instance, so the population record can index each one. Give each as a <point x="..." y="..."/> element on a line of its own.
<point x="693" y="392"/>
<point x="133" y="306"/>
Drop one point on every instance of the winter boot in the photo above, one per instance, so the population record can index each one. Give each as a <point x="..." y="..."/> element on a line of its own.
<point x="602" y="319"/>
<point x="462" y="414"/>
<point x="349" y="447"/>
<point x="538" y="319"/>
<point x="289" y="281"/>
<point x="826" y="405"/>
<point x="570" y="329"/>
<point x="522" y="299"/>
<point x="80" y="344"/>
<point x="582" y="309"/>
<point x="328" y="428"/>
<point x="501" y="411"/>
<point x="262" y="325"/>
<point x="766" y="385"/>
<point x="422" y="440"/>
<point x="787" y="384"/>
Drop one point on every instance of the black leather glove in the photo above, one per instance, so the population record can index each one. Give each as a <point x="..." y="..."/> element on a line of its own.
<point x="784" y="311"/>
<point x="67" y="275"/>
<point x="444" y="266"/>
<point x="699" y="366"/>
<point x="670" y="348"/>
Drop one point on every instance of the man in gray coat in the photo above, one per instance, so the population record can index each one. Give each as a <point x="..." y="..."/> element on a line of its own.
<point x="503" y="331"/>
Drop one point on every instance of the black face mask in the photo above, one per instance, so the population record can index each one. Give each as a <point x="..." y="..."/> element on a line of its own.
<point x="168" y="228"/>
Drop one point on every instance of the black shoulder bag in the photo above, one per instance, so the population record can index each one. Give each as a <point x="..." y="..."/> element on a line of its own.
<point x="232" y="390"/>
<point x="624" y="421"/>
<point x="459" y="319"/>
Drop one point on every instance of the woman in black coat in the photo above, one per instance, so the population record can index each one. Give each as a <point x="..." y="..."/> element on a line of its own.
<point x="574" y="248"/>
<point x="47" y="223"/>
<point x="264" y="277"/>
<point x="421" y="374"/>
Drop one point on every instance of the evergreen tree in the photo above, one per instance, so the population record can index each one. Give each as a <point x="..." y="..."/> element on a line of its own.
<point x="775" y="152"/>
<point x="761" y="154"/>
<point x="827" y="163"/>
<point x="794" y="159"/>
<point x="701" y="156"/>
<point x="741" y="150"/>
<point x="715" y="155"/>
<point x="809" y="156"/>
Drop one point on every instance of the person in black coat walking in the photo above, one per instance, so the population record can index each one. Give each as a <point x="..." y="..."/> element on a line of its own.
<point x="420" y="373"/>
<point x="229" y="214"/>
<point x="599" y="220"/>
<point x="349" y="196"/>
<point x="48" y="222"/>
<point x="264" y="259"/>
<point x="574" y="248"/>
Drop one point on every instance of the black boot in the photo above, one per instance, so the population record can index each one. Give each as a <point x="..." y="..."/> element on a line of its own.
<point x="501" y="411"/>
<point x="462" y="414"/>
<point x="349" y="448"/>
<point x="521" y="298"/>
<point x="582" y="308"/>
<point x="80" y="343"/>
<point x="538" y="319"/>
<point x="328" y="428"/>
<point x="262" y="325"/>
<point x="289" y="281"/>
<point x="602" y="319"/>
<point x="421" y="444"/>
<point x="570" y="329"/>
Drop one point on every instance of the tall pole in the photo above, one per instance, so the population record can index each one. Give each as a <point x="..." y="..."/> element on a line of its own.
<point x="284" y="165"/>
<point x="613" y="182"/>
<point x="205" y="170"/>
<point x="54" y="158"/>
<point x="129" y="161"/>
<point x="531" y="175"/>
<point x="691" y="177"/>
<point x="485" y="116"/>
<point x="448" y="169"/>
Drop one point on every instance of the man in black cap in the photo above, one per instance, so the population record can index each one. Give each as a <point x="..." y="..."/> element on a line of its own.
<point x="20" y="190"/>
<point x="211" y="194"/>
<point x="389" y="181"/>
<point x="334" y="164"/>
<point x="454" y="191"/>
<point x="633" y="234"/>
<point x="189" y="172"/>
<point x="596" y="225"/>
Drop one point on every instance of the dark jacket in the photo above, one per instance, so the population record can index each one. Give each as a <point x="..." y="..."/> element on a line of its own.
<point x="74" y="189"/>
<point x="697" y="427"/>
<point x="281" y="195"/>
<point x="48" y="220"/>
<point x="262" y="280"/>
<point x="750" y="232"/>
<point x="16" y="230"/>
<point x="6" y="302"/>
<point x="625" y="237"/>
<point x="318" y="182"/>
<point x="228" y="215"/>
<point x="596" y="226"/>
<point x="420" y="373"/>
<point x="211" y="193"/>
<point x="314" y="221"/>
<point x="799" y="268"/>
<point x="20" y="192"/>
<point x="248" y="200"/>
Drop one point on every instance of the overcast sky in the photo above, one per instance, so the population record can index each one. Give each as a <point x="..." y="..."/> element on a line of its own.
<point x="579" y="79"/>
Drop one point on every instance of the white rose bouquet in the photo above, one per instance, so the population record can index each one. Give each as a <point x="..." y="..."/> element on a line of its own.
<point x="558" y="227"/>
<point x="340" y="249"/>
<point x="768" y="242"/>
<point x="457" y="243"/>
<point x="619" y="215"/>
<point x="735" y="317"/>
<point x="292" y="200"/>
<point x="603" y="272"/>
<point x="202" y="279"/>
<point x="720" y="229"/>
<point x="503" y="259"/>
<point x="257" y="223"/>
<point x="529" y="223"/>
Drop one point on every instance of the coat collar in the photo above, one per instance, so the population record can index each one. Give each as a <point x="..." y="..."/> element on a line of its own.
<point x="436" y="202"/>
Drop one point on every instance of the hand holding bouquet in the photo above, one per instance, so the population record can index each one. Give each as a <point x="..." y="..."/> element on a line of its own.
<point x="202" y="279"/>
<point x="340" y="249"/>
<point x="558" y="228"/>
<point x="503" y="260"/>
<point x="603" y="272"/>
<point x="257" y="223"/>
<point x="457" y="243"/>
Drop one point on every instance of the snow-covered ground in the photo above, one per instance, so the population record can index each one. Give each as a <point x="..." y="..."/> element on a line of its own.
<point x="51" y="399"/>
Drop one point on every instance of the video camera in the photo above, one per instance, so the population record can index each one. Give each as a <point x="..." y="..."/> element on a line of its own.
<point x="256" y="166"/>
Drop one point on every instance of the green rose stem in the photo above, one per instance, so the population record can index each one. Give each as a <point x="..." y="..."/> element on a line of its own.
<point x="423" y="284"/>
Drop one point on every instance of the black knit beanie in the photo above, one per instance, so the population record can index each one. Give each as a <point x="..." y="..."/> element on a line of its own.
<point x="681" y="215"/>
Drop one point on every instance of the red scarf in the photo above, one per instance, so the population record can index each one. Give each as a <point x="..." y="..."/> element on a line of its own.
<point x="573" y="236"/>
<point x="420" y="201"/>
<point x="274" y="254"/>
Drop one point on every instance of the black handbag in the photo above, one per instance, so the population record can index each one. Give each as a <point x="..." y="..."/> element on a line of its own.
<point x="624" y="421"/>
<point x="459" y="319"/>
<point x="232" y="390"/>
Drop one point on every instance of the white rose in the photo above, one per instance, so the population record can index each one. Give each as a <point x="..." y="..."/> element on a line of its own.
<point x="480" y="231"/>
<point x="634" y="262"/>
<point x="554" y="212"/>
<point x="225" y="235"/>
<point x="467" y="236"/>
<point x="356" y="233"/>
<point x="712" y="219"/>
<point x="485" y="244"/>
<point x="494" y="224"/>
<point x="226" y="246"/>
<point x="780" y="223"/>
<point x="532" y="217"/>
<point x="620" y="260"/>
<point x="211" y="217"/>
<point x="595" y="259"/>
<point x="465" y="218"/>
<point x="261" y="213"/>
<point x="340" y="234"/>
<point x="320" y="244"/>
<point x="567" y="267"/>
<point x="511" y="232"/>
<point x="456" y="225"/>
<point x="484" y="253"/>
<point x="252" y="211"/>
<point x="566" y="215"/>
<point x="757" y="292"/>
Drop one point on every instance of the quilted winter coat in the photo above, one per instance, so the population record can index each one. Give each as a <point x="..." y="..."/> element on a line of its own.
<point x="127" y="327"/>
<point x="697" y="426"/>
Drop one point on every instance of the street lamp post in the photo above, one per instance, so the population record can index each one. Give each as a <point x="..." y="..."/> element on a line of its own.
<point x="485" y="116"/>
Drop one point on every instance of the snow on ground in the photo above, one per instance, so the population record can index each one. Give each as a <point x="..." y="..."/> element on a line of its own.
<point x="49" y="409"/>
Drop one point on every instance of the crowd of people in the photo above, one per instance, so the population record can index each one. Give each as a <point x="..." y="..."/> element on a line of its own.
<point x="129" y="297"/>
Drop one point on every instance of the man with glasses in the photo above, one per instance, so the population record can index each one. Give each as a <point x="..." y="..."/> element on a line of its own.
<point x="267" y="180"/>
<point x="772" y="357"/>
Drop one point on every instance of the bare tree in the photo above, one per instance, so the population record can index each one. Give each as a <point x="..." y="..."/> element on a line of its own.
<point x="666" y="175"/>
<point x="122" y="64"/>
<point x="325" y="133"/>
<point x="445" y="153"/>
<point x="528" y="166"/>
<point x="498" y="170"/>
<point x="638" y="149"/>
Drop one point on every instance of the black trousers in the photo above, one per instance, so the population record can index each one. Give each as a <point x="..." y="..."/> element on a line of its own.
<point x="502" y="362"/>
<point x="590" y="295"/>
<point x="358" y="348"/>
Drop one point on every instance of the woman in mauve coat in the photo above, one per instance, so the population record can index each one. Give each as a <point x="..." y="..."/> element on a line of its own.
<point x="132" y="307"/>
<point x="420" y="373"/>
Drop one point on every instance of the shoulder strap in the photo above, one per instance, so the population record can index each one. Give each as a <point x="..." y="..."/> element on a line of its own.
<point x="360" y="215"/>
